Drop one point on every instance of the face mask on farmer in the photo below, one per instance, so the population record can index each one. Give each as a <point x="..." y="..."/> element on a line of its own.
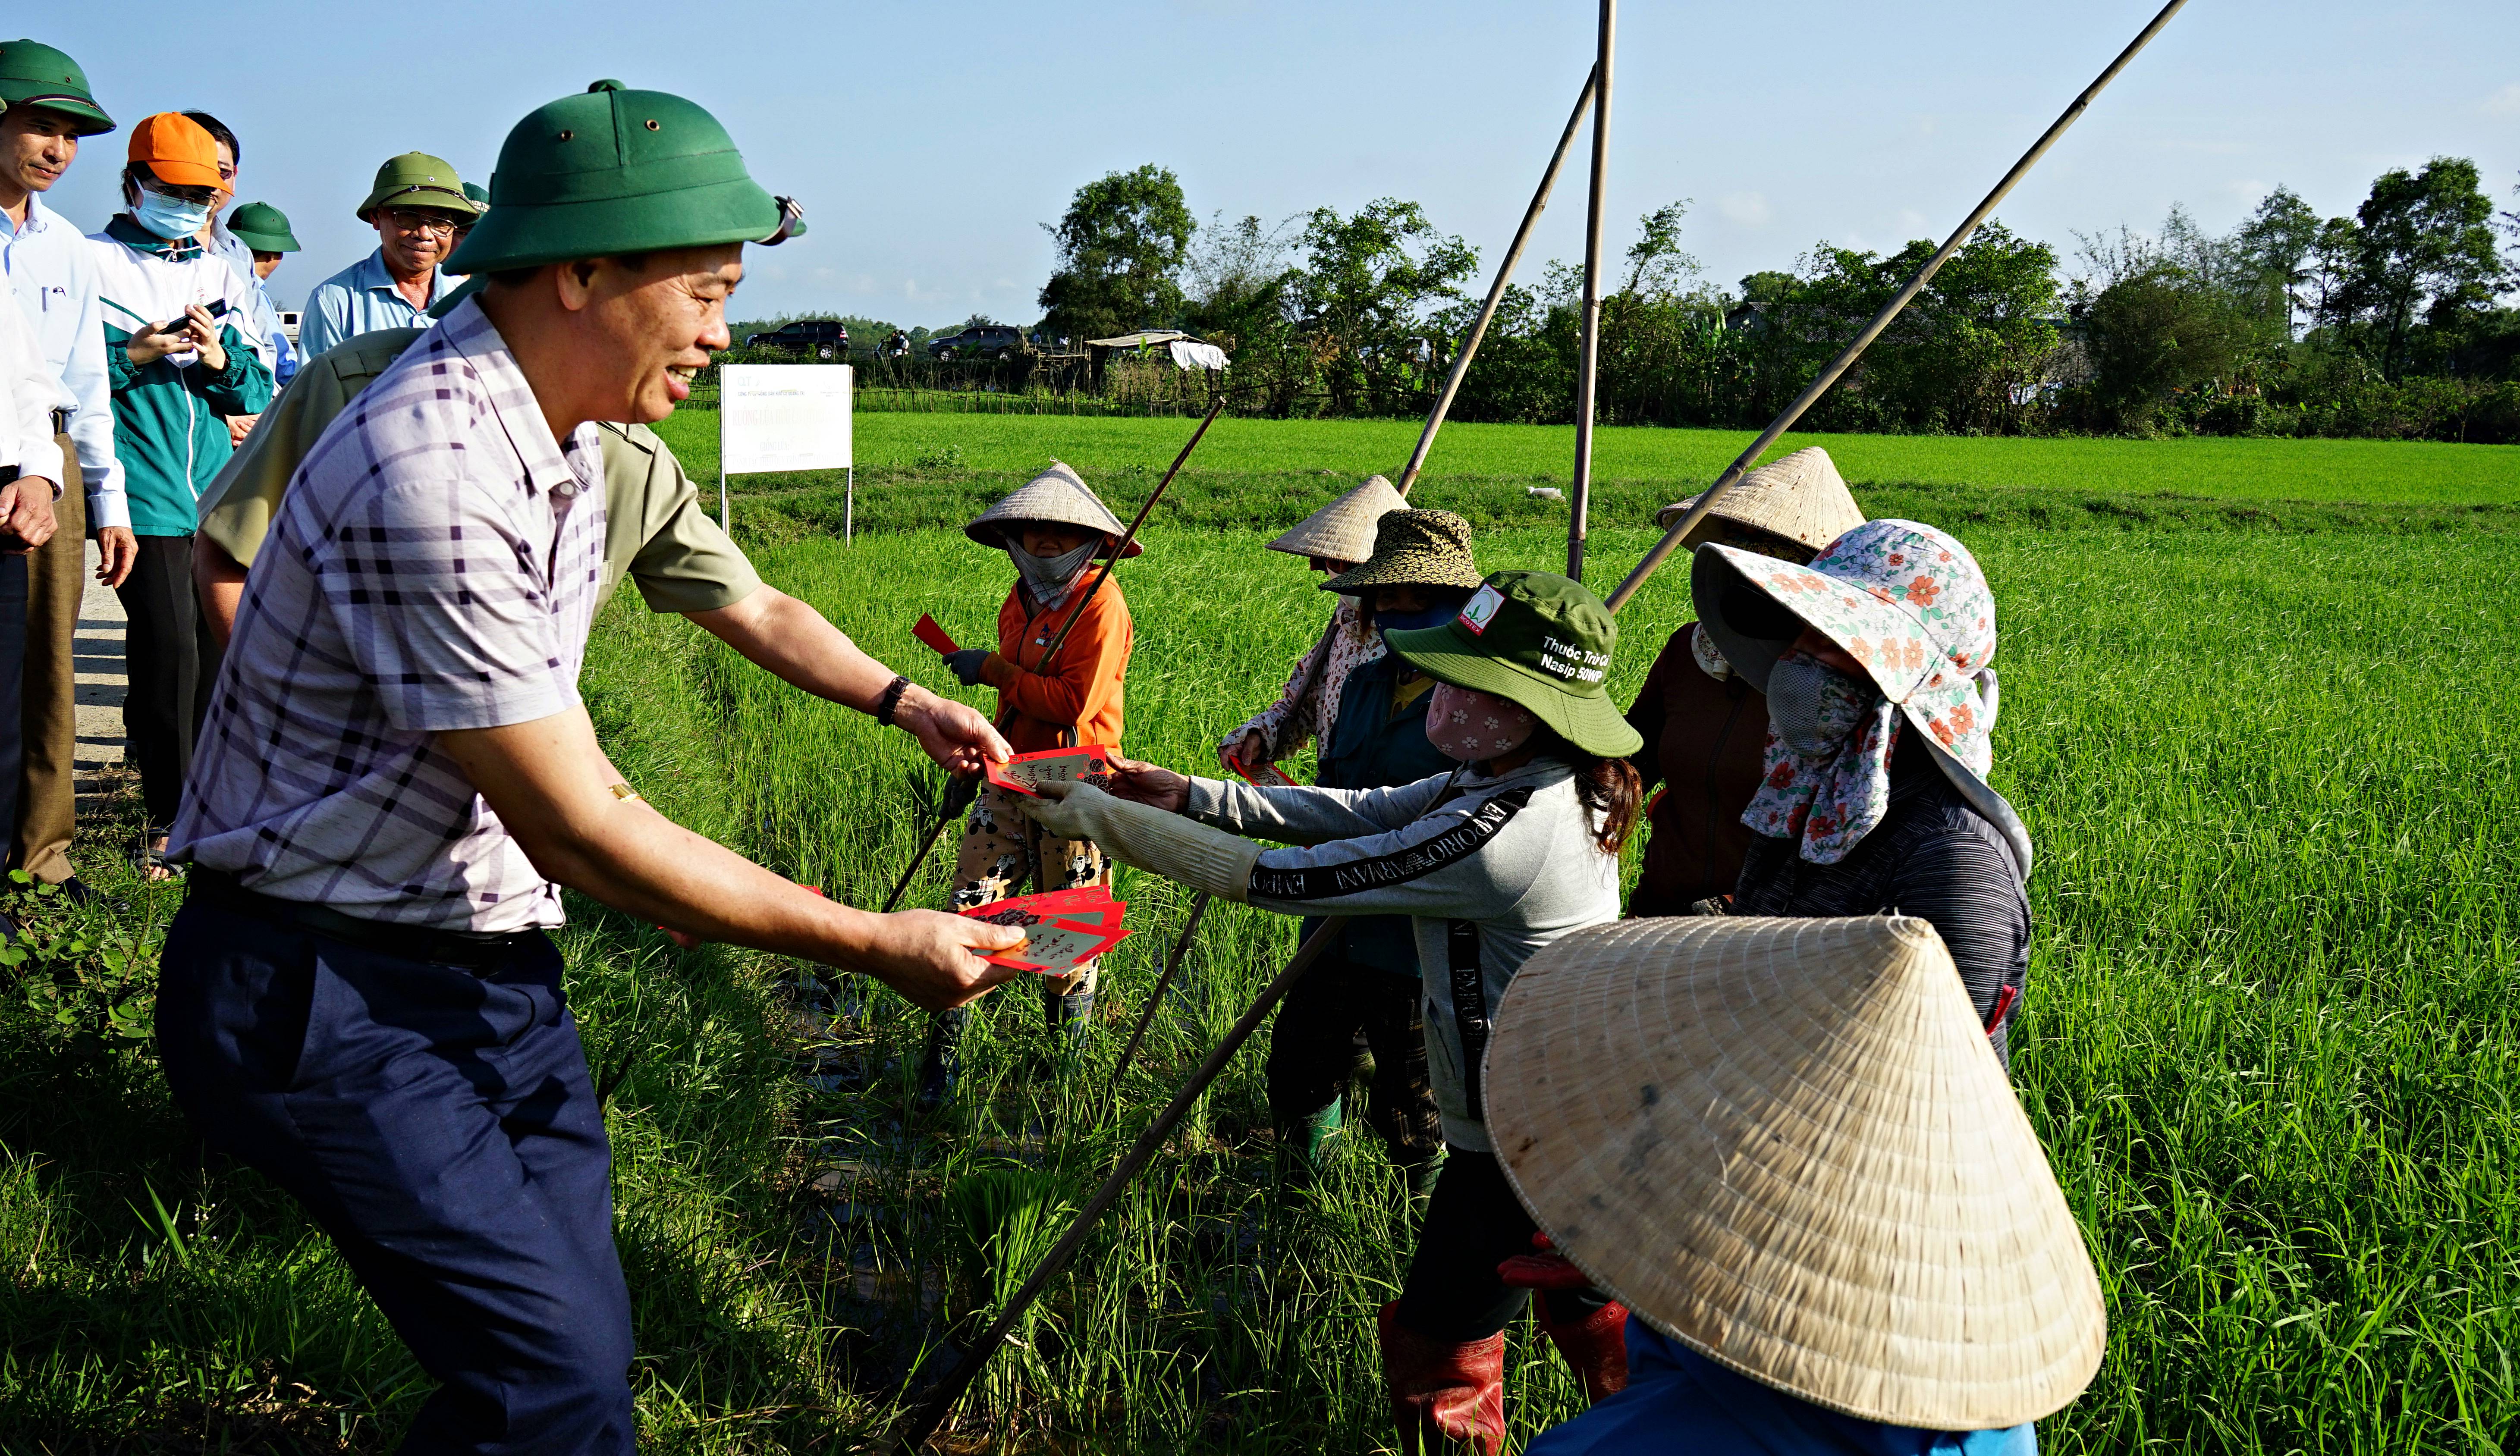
<point x="1470" y="727"/>
<point x="1050" y="576"/>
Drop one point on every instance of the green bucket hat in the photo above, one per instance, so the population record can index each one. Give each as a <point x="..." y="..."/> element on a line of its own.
<point x="417" y="179"/>
<point x="618" y="171"/>
<point x="263" y="228"/>
<point x="1543" y="642"/>
<point x="33" y="75"/>
<point x="1413" y="549"/>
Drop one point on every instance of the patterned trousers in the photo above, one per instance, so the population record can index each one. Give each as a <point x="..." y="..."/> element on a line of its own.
<point x="1001" y="847"/>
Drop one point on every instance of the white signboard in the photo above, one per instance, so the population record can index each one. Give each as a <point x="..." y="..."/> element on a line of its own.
<point x="783" y="416"/>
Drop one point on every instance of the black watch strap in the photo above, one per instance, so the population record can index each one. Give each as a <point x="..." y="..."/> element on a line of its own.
<point x="891" y="700"/>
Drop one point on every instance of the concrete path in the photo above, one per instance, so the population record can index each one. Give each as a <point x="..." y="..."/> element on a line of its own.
<point x="100" y="684"/>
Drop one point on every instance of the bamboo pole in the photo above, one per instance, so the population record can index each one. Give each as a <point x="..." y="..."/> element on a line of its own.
<point x="1495" y="289"/>
<point x="1042" y="668"/>
<point x="1588" y="363"/>
<point x="929" y="1413"/>
<point x="1122" y="548"/>
<point x="1819" y="384"/>
<point x="1163" y="983"/>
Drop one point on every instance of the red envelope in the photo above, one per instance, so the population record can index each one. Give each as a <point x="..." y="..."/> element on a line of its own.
<point x="932" y="635"/>
<point x="1019" y="775"/>
<point x="1050" y="948"/>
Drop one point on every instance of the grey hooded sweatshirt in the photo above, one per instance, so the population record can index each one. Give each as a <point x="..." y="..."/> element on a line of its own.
<point x="1489" y="874"/>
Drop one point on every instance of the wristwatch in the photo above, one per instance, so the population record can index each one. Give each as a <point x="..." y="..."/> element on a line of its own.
<point x="891" y="700"/>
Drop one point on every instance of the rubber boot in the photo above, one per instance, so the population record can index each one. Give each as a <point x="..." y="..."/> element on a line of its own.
<point x="944" y="1060"/>
<point x="1594" y="1342"/>
<point x="1301" y="1145"/>
<point x="1453" y="1393"/>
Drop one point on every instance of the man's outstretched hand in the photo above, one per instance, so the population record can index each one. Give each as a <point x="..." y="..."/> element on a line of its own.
<point x="954" y="735"/>
<point x="933" y="959"/>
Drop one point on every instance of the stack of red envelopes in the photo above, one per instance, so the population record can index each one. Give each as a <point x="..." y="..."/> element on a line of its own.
<point x="1089" y="762"/>
<point x="1062" y="930"/>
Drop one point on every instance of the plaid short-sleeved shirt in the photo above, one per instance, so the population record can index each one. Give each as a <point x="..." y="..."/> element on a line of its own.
<point x="433" y="567"/>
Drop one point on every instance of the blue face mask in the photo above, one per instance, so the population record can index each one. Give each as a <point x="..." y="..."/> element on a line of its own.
<point x="169" y="217"/>
<point x="1432" y="616"/>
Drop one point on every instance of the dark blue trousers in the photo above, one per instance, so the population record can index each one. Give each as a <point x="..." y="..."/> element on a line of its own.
<point x="438" y="1123"/>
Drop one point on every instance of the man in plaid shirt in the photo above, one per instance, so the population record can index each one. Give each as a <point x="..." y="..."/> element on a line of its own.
<point x="397" y="775"/>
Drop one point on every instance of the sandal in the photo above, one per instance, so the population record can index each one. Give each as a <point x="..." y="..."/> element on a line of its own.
<point x="151" y="861"/>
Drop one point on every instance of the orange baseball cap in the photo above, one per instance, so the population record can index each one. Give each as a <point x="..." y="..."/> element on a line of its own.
<point x="175" y="147"/>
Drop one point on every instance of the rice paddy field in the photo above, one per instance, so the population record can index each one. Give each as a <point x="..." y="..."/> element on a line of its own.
<point x="2269" y="1042"/>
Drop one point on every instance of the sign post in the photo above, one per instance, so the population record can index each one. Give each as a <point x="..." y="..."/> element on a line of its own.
<point x="784" y="417"/>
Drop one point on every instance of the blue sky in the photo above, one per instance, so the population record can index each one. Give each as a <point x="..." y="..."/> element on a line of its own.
<point x="930" y="140"/>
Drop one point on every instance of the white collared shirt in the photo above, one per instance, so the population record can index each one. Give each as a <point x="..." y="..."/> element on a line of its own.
<point x="52" y="270"/>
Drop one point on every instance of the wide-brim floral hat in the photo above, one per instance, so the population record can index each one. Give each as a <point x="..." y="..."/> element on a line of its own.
<point x="1907" y="602"/>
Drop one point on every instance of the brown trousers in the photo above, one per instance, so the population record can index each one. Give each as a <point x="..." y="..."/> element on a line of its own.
<point x="48" y="783"/>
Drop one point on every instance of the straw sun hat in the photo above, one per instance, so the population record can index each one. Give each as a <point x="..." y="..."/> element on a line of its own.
<point x="1057" y="493"/>
<point x="1903" y="598"/>
<point x="1414" y="548"/>
<point x="1800" y="497"/>
<point x="1343" y="530"/>
<point x="1787" y="1144"/>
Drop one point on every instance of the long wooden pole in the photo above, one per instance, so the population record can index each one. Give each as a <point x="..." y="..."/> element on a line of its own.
<point x="910" y="872"/>
<point x="1495" y="289"/>
<point x="1122" y="549"/>
<point x="1819" y="384"/>
<point x="1588" y="362"/>
<point x="928" y="1414"/>
<point x="1163" y="983"/>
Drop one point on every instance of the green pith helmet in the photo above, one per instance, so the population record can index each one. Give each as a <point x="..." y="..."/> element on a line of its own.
<point x="33" y="75"/>
<point x="263" y="228"/>
<point x="479" y="194"/>
<point x="417" y="179"/>
<point x="618" y="171"/>
<point x="1543" y="641"/>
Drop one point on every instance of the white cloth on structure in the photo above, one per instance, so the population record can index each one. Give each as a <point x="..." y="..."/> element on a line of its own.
<point x="1188" y="355"/>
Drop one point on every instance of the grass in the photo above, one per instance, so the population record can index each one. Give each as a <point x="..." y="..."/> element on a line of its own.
<point x="2268" y="1040"/>
<point x="2367" y="471"/>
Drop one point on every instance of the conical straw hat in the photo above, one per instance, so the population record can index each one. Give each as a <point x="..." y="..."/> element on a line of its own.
<point x="1057" y="494"/>
<point x="1343" y="530"/>
<point x="1801" y="498"/>
<point x="1787" y="1144"/>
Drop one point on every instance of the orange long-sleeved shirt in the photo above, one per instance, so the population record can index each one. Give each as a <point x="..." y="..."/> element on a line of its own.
<point x="1078" y="701"/>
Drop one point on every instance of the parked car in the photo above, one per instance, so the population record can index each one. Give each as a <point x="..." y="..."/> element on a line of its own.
<point x="995" y="341"/>
<point x="823" y="338"/>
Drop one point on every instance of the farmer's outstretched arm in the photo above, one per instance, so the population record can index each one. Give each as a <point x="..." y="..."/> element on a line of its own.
<point x="790" y="641"/>
<point x="551" y="787"/>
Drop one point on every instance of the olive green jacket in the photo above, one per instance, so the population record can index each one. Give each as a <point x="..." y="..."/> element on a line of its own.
<point x="655" y="530"/>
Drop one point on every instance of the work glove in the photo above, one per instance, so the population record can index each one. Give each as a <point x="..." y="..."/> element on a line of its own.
<point x="1167" y="844"/>
<point x="966" y="664"/>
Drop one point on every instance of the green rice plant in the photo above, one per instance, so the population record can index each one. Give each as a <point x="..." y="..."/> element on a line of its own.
<point x="2368" y="471"/>
<point x="2268" y="1040"/>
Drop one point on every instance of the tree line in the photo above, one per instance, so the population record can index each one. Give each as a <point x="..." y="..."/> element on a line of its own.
<point x="2392" y="322"/>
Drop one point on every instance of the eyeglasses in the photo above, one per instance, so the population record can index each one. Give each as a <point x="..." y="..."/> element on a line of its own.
<point x="405" y="220"/>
